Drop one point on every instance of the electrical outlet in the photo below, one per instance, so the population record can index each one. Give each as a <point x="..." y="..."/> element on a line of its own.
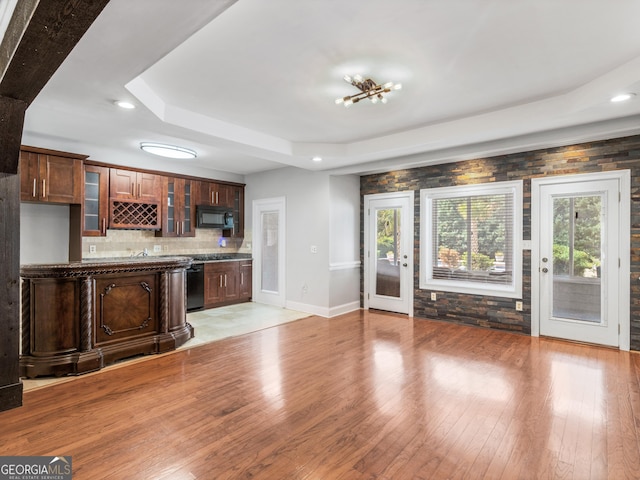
<point x="434" y="297"/>
<point x="92" y="249"/>
<point x="157" y="248"/>
<point x="165" y="248"/>
<point x="519" y="306"/>
<point x="314" y="249"/>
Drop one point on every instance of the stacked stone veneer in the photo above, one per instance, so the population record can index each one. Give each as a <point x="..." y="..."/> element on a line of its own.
<point x="498" y="312"/>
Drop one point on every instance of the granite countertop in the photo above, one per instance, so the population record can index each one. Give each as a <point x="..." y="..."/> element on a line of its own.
<point x="104" y="266"/>
<point x="219" y="257"/>
<point x="149" y="262"/>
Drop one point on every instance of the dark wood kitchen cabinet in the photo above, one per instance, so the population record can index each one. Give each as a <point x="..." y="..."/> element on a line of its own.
<point x="215" y="194"/>
<point x="178" y="209"/>
<point x="134" y="200"/>
<point x="95" y="205"/>
<point x="237" y="194"/>
<point x="50" y="176"/>
<point x="221" y="283"/>
<point x="246" y="278"/>
<point x="81" y="316"/>
<point x="227" y="282"/>
<point x="132" y="185"/>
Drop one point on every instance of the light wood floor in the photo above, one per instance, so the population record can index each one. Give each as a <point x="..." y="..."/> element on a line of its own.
<point x="362" y="396"/>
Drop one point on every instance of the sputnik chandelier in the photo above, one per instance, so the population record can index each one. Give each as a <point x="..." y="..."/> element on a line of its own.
<point x="368" y="89"/>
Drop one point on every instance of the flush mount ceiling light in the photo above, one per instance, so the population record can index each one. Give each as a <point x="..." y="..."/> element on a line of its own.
<point x="169" y="151"/>
<point x="368" y="89"/>
<point x="623" y="97"/>
<point x="124" y="104"/>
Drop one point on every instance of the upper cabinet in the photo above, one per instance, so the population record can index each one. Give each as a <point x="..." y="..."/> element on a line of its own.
<point x="134" y="200"/>
<point x="50" y="176"/>
<point x="215" y="194"/>
<point x="132" y="185"/>
<point x="178" y="209"/>
<point x="237" y="196"/>
<point x="95" y="205"/>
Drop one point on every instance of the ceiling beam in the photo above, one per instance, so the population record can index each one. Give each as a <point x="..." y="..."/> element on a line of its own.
<point x="39" y="37"/>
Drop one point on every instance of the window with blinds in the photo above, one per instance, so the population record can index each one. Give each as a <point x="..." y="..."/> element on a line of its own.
<point x="471" y="243"/>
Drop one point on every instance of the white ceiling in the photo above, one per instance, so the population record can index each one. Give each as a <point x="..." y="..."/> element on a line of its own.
<point x="251" y="84"/>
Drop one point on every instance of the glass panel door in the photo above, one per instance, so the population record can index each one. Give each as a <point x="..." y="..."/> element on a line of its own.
<point x="579" y="261"/>
<point x="389" y="245"/>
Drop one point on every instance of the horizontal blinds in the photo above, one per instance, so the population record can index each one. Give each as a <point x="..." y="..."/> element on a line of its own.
<point x="473" y="237"/>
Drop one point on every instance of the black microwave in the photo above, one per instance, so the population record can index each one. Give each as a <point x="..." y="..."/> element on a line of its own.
<point x="213" y="217"/>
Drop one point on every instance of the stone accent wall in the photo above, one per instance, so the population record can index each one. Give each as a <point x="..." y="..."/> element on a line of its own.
<point x="496" y="312"/>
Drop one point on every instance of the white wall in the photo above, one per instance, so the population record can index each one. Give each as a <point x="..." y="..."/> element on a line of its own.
<point x="344" y="228"/>
<point x="44" y="233"/>
<point x="310" y="211"/>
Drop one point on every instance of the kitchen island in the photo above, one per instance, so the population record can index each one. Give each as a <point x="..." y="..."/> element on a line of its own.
<point x="78" y="317"/>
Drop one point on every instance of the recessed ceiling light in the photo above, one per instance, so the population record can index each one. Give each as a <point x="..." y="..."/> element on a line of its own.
<point x="124" y="104"/>
<point x="623" y="97"/>
<point x="169" y="151"/>
<point x="317" y="159"/>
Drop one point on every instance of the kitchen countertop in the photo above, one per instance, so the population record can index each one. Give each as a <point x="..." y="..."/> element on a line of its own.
<point x="103" y="266"/>
<point x="219" y="257"/>
<point x="149" y="262"/>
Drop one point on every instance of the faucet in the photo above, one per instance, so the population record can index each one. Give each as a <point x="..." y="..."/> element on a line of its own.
<point x="144" y="253"/>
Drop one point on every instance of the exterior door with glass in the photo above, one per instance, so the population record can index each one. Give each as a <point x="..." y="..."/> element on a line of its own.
<point x="389" y="252"/>
<point x="579" y="261"/>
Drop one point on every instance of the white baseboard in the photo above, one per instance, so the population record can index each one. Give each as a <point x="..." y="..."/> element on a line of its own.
<point x="322" y="311"/>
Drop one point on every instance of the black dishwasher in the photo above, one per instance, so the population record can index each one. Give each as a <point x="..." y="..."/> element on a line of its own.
<point x="195" y="287"/>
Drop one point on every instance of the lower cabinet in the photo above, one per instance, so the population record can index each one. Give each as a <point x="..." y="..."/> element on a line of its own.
<point x="225" y="283"/>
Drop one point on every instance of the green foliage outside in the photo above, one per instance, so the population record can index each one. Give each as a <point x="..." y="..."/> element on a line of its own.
<point x="475" y="225"/>
<point x="581" y="261"/>
<point x="479" y="261"/>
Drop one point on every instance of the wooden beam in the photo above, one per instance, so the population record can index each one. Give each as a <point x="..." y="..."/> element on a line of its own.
<point x="54" y="28"/>
<point x="11" y="122"/>
<point x="40" y="35"/>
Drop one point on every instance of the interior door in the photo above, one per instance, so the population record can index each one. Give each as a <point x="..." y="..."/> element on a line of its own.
<point x="389" y="252"/>
<point x="579" y="261"/>
<point x="269" y="248"/>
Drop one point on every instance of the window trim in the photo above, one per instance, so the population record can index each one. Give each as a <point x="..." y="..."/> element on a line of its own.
<point x="427" y="282"/>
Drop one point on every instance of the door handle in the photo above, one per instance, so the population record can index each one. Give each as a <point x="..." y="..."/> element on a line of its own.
<point x="545" y="270"/>
<point x="404" y="264"/>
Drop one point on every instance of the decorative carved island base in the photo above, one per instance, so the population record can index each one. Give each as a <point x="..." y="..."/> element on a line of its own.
<point x="81" y="316"/>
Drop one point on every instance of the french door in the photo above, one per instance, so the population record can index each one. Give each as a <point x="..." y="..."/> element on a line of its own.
<point x="578" y="269"/>
<point x="388" y="269"/>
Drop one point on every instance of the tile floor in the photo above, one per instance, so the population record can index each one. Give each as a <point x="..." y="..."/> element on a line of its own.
<point x="209" y="326"/>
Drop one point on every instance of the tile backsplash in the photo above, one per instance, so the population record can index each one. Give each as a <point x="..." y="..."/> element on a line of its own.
<point x="127" y="243"/>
